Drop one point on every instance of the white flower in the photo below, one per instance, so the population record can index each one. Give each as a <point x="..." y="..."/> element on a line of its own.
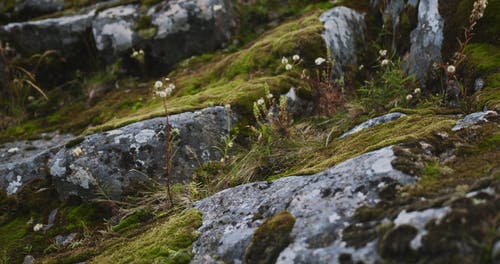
<point x="385" y="62"/>
<point x="260" y="101"/>
<point x="296" y="57"/>
<point x="409" y="97"/>
<point x="161" y="94"/>
<point x="269" y="96"/>
<point x="222" y="160"/>
<point x="77" y="152"/>
<point x="158" y="84"/>
<point x="284" y="60"/>
<point x="382" y="53"/>
<point x="319" y="61"/>
<point x="135" y="54"/>
<point x="417" y="91"/>
<point x="37" y="227"/>
<point x="227" y="106"/>
<point x="141" y="52"/>
<point x="361" y="67"/>
<point x="217" y="8"/>
<point x="175" y="131"/>
<point x="288" y="67"/>
<point x="167" y="79"/>
<point x="31" y="98"/>
<point x="450" y="69"/>
<point x="230" y="144"/>
<point x="13" y="150"/>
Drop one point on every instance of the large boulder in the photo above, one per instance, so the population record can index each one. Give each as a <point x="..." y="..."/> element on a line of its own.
<point x="321" y="204"/>
<point x="344" y="36"/>
<point x="108" y="163"/>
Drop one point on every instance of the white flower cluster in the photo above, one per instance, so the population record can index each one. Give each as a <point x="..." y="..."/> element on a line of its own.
<point x="138" y="55"/>
<point x="37" y="227"/>
<point x="385" y="61"/>
<point x="288" y="65"/>
<point x="163" y="93"/>
<point x="451" y="69"/>
<point x="478" y="9"/>
<point x="319" y="61"/>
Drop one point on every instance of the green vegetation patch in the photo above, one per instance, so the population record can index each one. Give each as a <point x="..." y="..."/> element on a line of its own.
<point x="270" y="239"/>
<point x="169" y="242"/>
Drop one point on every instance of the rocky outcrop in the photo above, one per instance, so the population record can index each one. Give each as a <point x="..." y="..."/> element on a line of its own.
<point x="344" y="36"/>
<point x="169" y="31"/>
<point x="321" y="204"/>
<point x="373" y="122"/>
<point x="22" y="161"/>
<point x="473" y="119"/>
<point x="108" y="163"/>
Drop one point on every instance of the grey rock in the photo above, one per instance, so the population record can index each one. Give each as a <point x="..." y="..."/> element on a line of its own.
<point x="393" y="12"/>
<point x="51" y="220"/>
<point x="65" y="240"/>
<point x="22" y="161"/>
<point x="373" y="122"/>
<point x="495" y="253"/>
<point x="478" y="84"/>
<point x="426" y="41"/>
<point x="29" y="259"/>
<point x="473" y="119"/>
<point x="322" y="205"/>
<point x="344" y="37"/>
<point x="108" y="163"/>
<point x="34" y="8"/>
<point x="296" y="105"/>
<point x="63" y="33"/>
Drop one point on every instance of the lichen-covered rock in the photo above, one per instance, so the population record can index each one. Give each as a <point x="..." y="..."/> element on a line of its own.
<point x="426" y="41"/>
<point x="344" y="37"/>
<point x="22" y="161"/>
<point x="108" y="163"/>
<point x="321" y="204"/>
<point x="473" y="119"/>
<point x="63" y="33"/>
<point x="373" y="122"/>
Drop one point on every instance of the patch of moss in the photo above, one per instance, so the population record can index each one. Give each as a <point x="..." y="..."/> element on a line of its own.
<point x="270" y="239"/>
<point x="169" y="242"/>
<point x="133" y="221"/>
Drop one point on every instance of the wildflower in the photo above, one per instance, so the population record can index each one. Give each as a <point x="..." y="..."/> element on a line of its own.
<point x="382" y="53"/>
<point x="170" y="88"/>
<point x="134" y="54"/>
<point x="319" y="61"/>
<point x="158" y="84"/>
<point x="167" y="79"/>
<point x="31" y="98"/>
<point x="288" y="67"/>
<point x="450" y="69"/>
<point x="284" y="60"/>
<point x="217" y="8"/>
<point x="417" y="91"/>
<point x="385" y="62"/>
<point x="161" y="94"/>
<point x="260" y="101"/>
<point x="175" y="131"/>
<point x="361" y="67"/>
<point x="269" y="96"/>
<point x="77" y="152"/>
<point x="409" y="97"/>
<point x="222" y="160"/>
<point x="230" y="144"/>
<point x="227" y="106"/>
<point x="296" y="57"/>
<point x="37" y="227"/>
<point x="141" y="52"/>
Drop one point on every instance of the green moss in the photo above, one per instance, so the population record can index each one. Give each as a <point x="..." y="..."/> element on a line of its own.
<point x="169" y="242"/>
<point x="485" y="57"/>
<point x="270" y="239"/>
<point x="133" y="221"/>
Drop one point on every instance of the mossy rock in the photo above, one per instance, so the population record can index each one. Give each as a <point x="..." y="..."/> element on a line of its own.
<point x="270" y="239"/>
<point x="133" y="221"/>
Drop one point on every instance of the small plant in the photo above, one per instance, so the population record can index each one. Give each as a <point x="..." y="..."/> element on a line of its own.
<point x="163" y="90"/>
<point x="227" y="140"/>
<point x="272" y="116"/>
<point x="19" y="80"/>
<point x="388" y="88"/>
<point x="453" y="87"/>
<point x="140" y="58"/>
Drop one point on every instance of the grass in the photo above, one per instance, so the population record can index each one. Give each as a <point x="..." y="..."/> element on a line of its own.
<point x="168" y="242"/>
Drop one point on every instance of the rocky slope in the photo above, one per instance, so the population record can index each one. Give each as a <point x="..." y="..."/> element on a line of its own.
<point x="391" y="172"/>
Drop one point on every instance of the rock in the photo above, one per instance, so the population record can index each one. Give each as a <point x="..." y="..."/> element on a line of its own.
<point x="110" y="162"/>
<point x="426" y="41"/>
<point x="344" y="37"/>
<point x="473" y="119"/>
<point x="495" y="253"/>
<point x="113" y="30"/>
<point x="32" y="8"/>
<point x="29" y="259"/>
<point x="452" y="93"/>
<point x="478" y="84"/>
<point x="188" y="28"/>
<point x="66" y="34"/>
<point x="296" y="105"/>
<point x="321" y="204"/>
<point x="63" y="241"/>
<point x="373" y="122"/>
<point x="28" y="161"/>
